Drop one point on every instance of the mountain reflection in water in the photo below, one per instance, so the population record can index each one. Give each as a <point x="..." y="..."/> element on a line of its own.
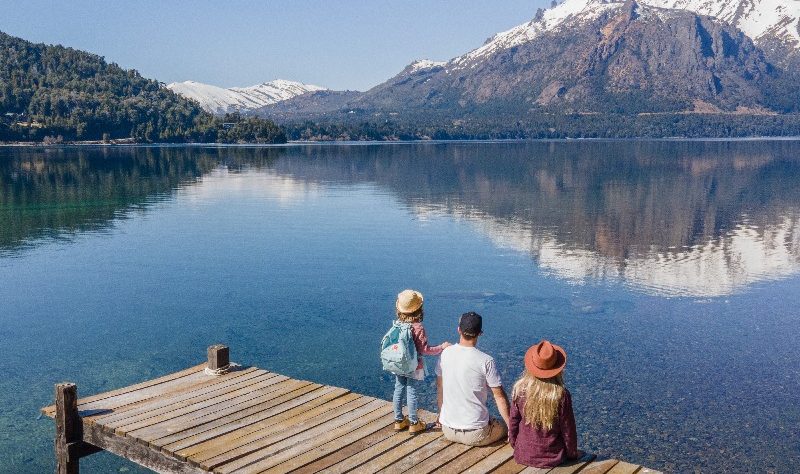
<point x="668" y="218"/>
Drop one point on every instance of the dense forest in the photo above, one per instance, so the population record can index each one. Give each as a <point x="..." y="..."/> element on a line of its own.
<point x="546" y="126"/>
<point x="54" y="93"/>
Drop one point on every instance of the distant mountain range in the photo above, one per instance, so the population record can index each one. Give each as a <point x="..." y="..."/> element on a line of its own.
<point x="240" y="99"/>
<point x="596" y="57"/>
<point x="582" y="68"/>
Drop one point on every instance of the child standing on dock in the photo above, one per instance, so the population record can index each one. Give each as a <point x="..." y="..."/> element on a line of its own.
<point x="542" y="425"/>
<point x="410" y="311"/>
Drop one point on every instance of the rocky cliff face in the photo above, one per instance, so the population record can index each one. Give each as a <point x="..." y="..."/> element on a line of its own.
<point x="635" y="58"/>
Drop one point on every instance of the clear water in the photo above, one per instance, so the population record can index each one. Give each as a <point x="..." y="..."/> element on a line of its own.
<point x="668" y="270"/>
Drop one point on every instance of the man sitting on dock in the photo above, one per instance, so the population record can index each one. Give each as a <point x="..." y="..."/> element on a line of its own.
<point x="465" y="377"/>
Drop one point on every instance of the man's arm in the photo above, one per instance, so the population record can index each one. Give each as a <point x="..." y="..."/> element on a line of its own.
<point x="501" y="400"/>
<point x="439" y="393"/>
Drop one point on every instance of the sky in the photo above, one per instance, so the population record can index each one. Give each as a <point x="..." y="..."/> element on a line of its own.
<point x="339" y="44"/>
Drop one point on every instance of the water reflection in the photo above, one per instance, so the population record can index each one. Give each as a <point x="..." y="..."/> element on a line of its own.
<point x="669" y="218"/>
<point x="58" y="192"/>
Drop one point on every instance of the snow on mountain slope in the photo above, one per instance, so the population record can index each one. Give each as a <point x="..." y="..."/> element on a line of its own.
<point x="218" y="100"/>
<point x="758" y="19"/>
<point x="422" y="64"/>
<point x="551" y="19"/>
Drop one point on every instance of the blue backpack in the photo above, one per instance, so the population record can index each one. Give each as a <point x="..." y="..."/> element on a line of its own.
<point x="398" y="352"/>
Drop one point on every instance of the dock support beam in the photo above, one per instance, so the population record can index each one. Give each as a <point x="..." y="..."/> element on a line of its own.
<point x="68" y="429"/>
<point x="218" y="357"/>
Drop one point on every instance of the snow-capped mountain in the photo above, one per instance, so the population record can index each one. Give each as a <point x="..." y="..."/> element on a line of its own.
<point x="602" y="56"/>
<point x="764" y="21"/>
<point x="218" y="100"/>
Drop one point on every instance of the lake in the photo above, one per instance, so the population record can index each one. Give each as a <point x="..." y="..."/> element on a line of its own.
<point x="668" y="270"/>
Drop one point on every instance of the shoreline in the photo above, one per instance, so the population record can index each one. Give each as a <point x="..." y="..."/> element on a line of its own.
<point x="130" y="143"/>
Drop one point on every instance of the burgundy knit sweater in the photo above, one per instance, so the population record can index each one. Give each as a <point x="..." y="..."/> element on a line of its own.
<point x="543" y="448"/>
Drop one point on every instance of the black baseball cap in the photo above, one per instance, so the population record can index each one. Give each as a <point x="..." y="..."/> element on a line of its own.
<point x="470" y="324"/>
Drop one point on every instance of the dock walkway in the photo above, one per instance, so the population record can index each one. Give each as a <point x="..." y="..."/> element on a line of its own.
<point x="250" y="420"/>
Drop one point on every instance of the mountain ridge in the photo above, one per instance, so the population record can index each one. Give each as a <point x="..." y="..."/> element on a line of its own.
<point x="761" y="20"/>
<point x="220" y="101"/>
<point x="594" y="57"/>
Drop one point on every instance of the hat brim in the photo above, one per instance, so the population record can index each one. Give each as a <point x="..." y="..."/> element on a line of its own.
<point x="561" y="362"/>
<point x="407" y="310"/>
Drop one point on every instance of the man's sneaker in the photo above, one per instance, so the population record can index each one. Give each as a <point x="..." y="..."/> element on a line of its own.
<point x="401" y="425"/>
<point x="417" y="427"/>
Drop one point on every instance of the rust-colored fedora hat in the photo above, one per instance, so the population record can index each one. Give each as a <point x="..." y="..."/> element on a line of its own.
<point x="545" y="360"/>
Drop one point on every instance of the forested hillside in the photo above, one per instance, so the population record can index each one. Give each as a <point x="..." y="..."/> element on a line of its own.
<point x="55" y="93"/>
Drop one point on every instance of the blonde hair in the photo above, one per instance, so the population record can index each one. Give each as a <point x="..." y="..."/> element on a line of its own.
<point x="415" y="317"/>
<point x="542" y="399"/>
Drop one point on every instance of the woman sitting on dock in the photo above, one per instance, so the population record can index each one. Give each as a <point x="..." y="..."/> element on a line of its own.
<point x="542" y="425"/>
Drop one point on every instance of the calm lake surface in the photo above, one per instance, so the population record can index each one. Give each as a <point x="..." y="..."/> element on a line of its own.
<point x="668" y="271"/>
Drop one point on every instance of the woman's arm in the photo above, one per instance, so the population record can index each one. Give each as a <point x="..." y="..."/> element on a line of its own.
<point x="568" y="431"/>
<point x="513" y="422"/>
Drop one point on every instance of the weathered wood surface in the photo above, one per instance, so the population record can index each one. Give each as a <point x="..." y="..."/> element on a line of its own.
<point x="250" y="420"/>
<point x="68" y="428"/>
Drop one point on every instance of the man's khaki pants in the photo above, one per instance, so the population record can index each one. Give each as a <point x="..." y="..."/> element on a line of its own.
<point x="491" y="433"/>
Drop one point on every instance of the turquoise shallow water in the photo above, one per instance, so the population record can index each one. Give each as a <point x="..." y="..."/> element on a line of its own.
<point x="668" y="270"/>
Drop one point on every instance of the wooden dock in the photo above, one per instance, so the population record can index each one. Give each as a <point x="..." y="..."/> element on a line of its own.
<point x="248" y="420"/>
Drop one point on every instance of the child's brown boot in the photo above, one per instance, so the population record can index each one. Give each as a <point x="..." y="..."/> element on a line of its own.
<point x="402" y="424"/>
<point x="417" y="427"/>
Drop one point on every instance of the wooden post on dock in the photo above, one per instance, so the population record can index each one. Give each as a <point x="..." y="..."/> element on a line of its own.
<point x="218" y="357"/>
<point x="68" y="429"/>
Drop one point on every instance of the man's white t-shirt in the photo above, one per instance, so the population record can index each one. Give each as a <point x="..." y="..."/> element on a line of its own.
<point x="467" y="375"/>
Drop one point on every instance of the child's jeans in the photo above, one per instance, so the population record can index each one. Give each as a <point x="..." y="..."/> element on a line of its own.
<point x="410" y="385"/>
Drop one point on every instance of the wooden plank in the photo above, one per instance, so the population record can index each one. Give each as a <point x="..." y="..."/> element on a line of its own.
<point x="573" y="466"/>
<point x="190" y="394"/>
<point x="201" y="390"/>
<point x="342" y="441"/>
<point x="599" y="466"/>
<point x="244" y="441"/>
<point x="273" y="416"/>
<point x="168" y="412"/>
<point x="142" y="455"/>
<point x="413" y="452"/>
<point x="197" y="434"/>
<point x="492" y="461"/>
<point x="183" y="383"/>
<point x="337" y="435"/>
<point x="623" y="467"/>
<point x="279" y="441"/>
<point x="368" y="455"/>
<point x="468" y="459"/>
<point x="536" y="470"/>
<point x="181" y="423"/>
<point x="351" y="450"/>
<point x="512" y="467"/>
<point x="433" y="462"/>
<point x="647" y="470"/>
<point x="50" y="410"/>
